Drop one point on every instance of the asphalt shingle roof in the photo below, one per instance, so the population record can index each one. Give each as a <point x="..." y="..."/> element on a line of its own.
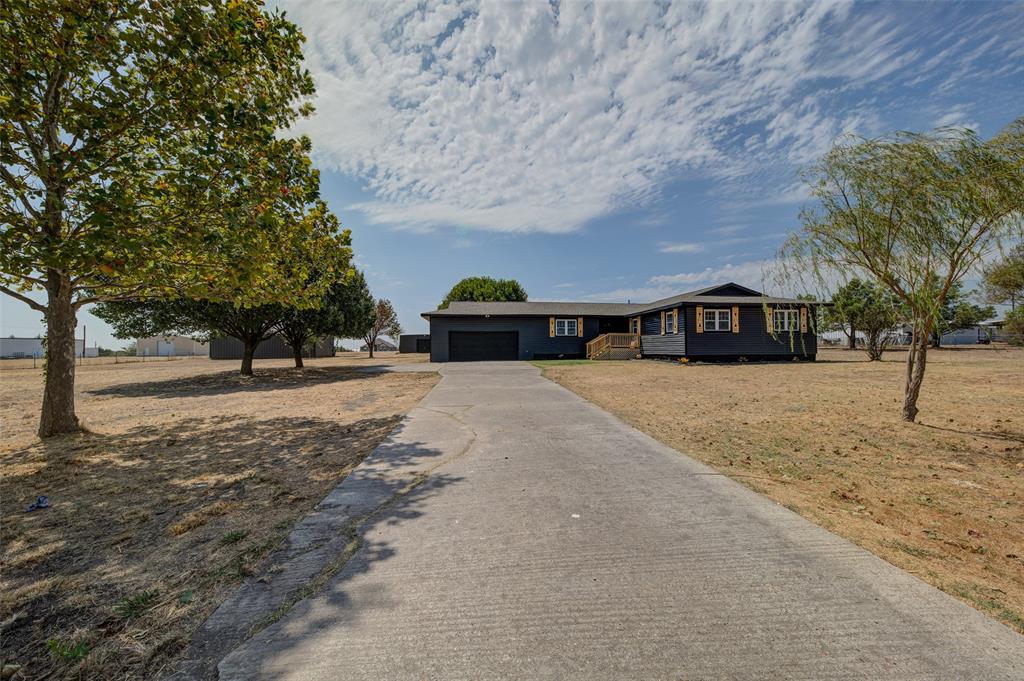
<point x="574" y="309"/>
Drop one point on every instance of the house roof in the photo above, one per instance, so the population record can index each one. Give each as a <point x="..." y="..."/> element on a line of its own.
<point x="545" y="309"/>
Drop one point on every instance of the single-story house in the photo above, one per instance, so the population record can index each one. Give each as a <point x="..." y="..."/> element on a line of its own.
<point x="170" y="346"/>
<point x="381" y="345"/>
<point x="272" y="348"/>
<point x="414" y="342"/>
<point x="724" y="322"/>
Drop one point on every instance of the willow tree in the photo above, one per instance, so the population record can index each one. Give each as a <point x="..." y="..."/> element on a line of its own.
<point x="140" y="155"/>
<point x="916" y="213"/>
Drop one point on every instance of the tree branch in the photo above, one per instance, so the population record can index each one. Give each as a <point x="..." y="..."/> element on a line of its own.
<point x="23" y="298"/>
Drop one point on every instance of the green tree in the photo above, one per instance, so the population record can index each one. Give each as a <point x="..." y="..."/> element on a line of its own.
<point x="383" y="323"/>
<point x="914" y="212"/>
<point x="1015" y="326"/>
<point x="204" y="319"/>
<point x="848" y="305"/>
<point x="959" y="313"/>
<point x="346" y="311"/>
<point x="1004" y="280"/>
<point x="876" y="317"/>
<point x="139" y="156"/>
<point x="485" y="289"/>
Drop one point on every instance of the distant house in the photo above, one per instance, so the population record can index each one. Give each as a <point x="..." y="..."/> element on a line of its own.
<point x="170" y="346"/>
<point x="414" y="342"/>
<point x="725" y="322"/>
<point x="382" y="345"/>
<point x="272" y="348"/>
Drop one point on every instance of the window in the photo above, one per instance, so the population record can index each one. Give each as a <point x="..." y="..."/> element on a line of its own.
<point x="787" y="320"/>
<point x="717" y="320"/>
<point x="634" y="325"/>
<point x="565" y="327"/>
<point x="670" y="321"/>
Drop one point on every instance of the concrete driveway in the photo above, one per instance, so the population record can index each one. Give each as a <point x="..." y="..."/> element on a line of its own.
<point x="552" y="541"/>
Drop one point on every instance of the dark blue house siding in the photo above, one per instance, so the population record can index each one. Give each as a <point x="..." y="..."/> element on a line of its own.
<point x="753" y="339"/>
<point x="652" y="343"/>
<point x="533" y="335"/>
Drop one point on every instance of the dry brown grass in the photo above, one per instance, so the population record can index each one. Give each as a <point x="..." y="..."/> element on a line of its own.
<point x="190" y="476"/>
<point x="943" y="498"/>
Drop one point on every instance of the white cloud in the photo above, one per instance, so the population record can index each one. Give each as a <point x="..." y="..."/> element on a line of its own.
<point x="752" y="273"/>
<point x="537" y="116"/>
<point x="755" y="274"/>
<point x="957" y="118"/>
<point x="681" y="248"/>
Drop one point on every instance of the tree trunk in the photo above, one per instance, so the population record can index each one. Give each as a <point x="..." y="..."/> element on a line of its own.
<point x="370" y="344"/>
<point x="247" y="353"/>
<point x="853" y="338"/>
<point x="917" y="357"/>
<point x="58" y="414"/>
<point x="297" y="351"/>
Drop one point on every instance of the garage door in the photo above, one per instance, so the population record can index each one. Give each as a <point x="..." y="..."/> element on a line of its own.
<point x="478" y="346"/>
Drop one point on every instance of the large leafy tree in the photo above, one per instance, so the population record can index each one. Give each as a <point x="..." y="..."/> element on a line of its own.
<point x="205" y="319"/>
<point x="346" y="310"/>
<point x="916" y="213"/>
<point x="485" y="289"/>
<point x="140" y="156"/>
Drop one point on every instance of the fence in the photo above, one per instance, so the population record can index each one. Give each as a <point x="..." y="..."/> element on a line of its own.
<point x="116" y="358"/>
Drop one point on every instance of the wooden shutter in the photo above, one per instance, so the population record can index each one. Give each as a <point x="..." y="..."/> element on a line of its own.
<point x="700" y="319"/>
<point x="735" y="318"/>
<point x="551" y="327"/>
<point x="803" y="320"/>
<point x="579" y="327"/>
<point x="662" y="322"/>
<point x="769" y="319"/>
<point x="675" y="314"/>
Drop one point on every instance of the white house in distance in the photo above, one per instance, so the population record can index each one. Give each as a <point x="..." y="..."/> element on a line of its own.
<point x="18" y="348"/>
<point x="170" y="346"/>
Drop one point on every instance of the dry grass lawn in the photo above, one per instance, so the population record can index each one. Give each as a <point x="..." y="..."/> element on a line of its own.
<point x="943" y="498"/>
<point x="191" y="474"/>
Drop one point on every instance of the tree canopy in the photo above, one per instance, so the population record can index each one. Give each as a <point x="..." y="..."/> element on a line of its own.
<point x="959" y="313"/>
<point x="140" y="155"/>
<point x="485" y="289"/>
<point x="915" y="213"/>
<point x="346" y="310"/>
<point x="384" y="323"/>
<point x="1004" y="279"/>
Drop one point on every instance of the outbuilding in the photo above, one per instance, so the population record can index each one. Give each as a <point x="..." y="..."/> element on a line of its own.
<point x="414" y="342"/>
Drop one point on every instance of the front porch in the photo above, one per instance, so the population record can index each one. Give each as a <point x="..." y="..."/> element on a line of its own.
<point x="614" y="346"/>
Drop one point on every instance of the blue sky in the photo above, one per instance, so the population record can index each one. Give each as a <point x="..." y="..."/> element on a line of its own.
<point x="617" y="151"/>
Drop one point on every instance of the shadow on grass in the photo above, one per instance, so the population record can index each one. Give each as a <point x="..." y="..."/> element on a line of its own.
<point x="154" y="509"/>
<point x="228" y="382"/>
<point x="1006" y="435"/>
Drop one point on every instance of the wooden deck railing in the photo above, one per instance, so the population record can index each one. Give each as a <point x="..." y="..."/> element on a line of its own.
<point x="605" y="342"/>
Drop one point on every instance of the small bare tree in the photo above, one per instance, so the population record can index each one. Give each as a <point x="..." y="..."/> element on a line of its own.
<point x="916" y="213"/>
<point x="385" y="323"/>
